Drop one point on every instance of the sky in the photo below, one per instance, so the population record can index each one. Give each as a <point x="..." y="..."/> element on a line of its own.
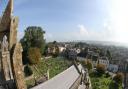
<point x="73" y="20"/>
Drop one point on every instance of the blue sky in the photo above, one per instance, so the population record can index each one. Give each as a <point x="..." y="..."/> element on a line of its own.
<point x="67" y="20"/>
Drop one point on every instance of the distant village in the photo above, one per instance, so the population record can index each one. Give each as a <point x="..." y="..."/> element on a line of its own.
<point x="77" y="51"/>
<point x="32" y="63"/>
<point x="82" y="51"/>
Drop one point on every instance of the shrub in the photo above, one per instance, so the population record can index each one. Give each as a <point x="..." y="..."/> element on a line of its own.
<point x="100" y="69"/>
<point x="107" y="75"/>
<point x="118" y="78"/>
<point x="88" y="64"/>
<point x="34" y="55"/>
<point x="56" y="53"/>
<point x="27" y="71"/>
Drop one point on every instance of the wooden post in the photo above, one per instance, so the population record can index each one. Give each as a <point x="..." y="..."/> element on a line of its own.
<point x="48" y="74"/>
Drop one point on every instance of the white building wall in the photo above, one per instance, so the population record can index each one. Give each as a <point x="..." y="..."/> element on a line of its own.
<point x="113" y="68"/>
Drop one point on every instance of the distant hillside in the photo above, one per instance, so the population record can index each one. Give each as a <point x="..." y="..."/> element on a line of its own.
<point x="119" y="51"/>
<point x="108" y="43"/>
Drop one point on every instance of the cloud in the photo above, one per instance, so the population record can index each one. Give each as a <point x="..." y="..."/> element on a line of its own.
<point x="49" y="37"/>
<point x="82" y="33"/>
<point x="20" y="35"/>
<point x="118" y="20"/>
<point x="82" y="30"/>
<point x="115" y="26"/>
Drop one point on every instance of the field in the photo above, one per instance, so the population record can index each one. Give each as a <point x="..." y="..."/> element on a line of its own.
<point x="55" y="66"/>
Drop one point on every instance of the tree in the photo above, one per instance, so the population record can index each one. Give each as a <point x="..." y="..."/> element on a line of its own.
<point x="52" y="49"/>
<point x="118" y="78"/>
<point x="34" y="55"/>
<point x="88" y="64"/>
<point x="100" y="69"/>
<point x="54" y="42"/>
<point x="34" y="37"/>
<point x="83" y="52"/>
<point x="109" y="55"/>
<point x="46" y="50"/>
<point x="101" y="52"/>
<point x="28" y="70"/>
<point x="56" y="52"/>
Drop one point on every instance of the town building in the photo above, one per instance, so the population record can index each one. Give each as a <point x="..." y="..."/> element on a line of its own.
<point x="125" y="72"/>
<point x="113" y="66"/>
<point x="61" y="49"/>
<point x="104" y="61"/>
<point x="93" y="57"/>
<point x="72" y="54"/>
<point x="94" y="60"/>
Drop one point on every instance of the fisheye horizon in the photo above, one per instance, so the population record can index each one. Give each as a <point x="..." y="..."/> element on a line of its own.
<point x="104" y="20"/>
<point x="63" y="44"/>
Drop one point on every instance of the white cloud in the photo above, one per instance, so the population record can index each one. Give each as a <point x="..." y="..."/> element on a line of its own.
<point x="20" y="35"/>
<point x="82" y="30"/>
<point x="82" y="33"/>
<point x="49" y="37"/>
<point x="118" y="20"/>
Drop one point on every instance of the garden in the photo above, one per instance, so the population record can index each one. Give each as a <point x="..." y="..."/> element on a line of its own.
<point x="54" y="65"/>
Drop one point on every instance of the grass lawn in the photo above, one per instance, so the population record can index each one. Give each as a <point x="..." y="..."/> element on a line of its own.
<point x="102" y="82"/>
<point x="55" y="66"/>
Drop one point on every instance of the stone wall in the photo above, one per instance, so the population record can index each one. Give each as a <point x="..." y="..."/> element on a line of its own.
<point x="13" y="32"/>
<point x="6" y="65"/>
<point x="76" y="83"/>
<point x="11" y="51"/>
<point x="18" y="67"/>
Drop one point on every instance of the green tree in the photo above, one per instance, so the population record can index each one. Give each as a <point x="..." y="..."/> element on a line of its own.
<point x="34" y="55"/>
<point x="88" y="64"/>
<point x="53" y="48"/>
<point x="118" y="78"/>
<point x="109" y="55"/>
<point x="101" y="52"/>
<point x="56" y="52"/>
<point x="27" y="71"/>
<point x="34" y="37"/>
<point x="100" y="69"/>
<point x="46" y="50"/>
<point x="54" y="42"/>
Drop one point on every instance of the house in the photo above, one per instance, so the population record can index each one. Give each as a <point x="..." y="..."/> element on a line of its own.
<point x="113" y="66"/>
<point x="61" y="49"/>
<point x="121" y="66"/>
<point x="125" y="72"/>
<point x="78" y="51"/>
<point x="104" y="61"/>
<point x="50" y="50"/>
<point x="126" y="80"/>
<point x="69" y="53"/>
<point x="72" y="54"/>
<point x="94" y="59"/>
